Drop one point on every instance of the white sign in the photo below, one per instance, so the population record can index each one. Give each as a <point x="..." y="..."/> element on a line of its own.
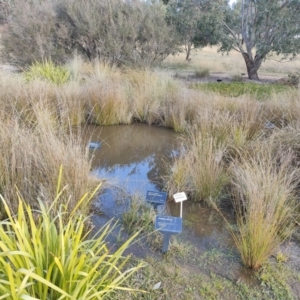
<point x="179" y="197"/>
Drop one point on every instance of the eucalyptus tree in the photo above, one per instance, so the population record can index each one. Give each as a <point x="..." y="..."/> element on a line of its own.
<point x="258" y="28"/>
<point x="196" y="22"/>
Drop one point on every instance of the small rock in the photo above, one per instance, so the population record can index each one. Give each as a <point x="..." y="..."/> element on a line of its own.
<point x="157" y="286"/>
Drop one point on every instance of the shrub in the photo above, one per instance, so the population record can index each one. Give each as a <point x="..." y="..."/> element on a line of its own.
<point x="5" y="10"/>
<point x="293" y="79"/>
<point x="115" y="31"/>
<point x="46" y="256"/>
<point x="237" y="78"/>
<point x="46" y="70"/>
<point x="33" y="34"/>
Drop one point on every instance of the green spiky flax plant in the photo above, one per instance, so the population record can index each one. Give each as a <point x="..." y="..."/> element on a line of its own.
<point x="49" y="254"/>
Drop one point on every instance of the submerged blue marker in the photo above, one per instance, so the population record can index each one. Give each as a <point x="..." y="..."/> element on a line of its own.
<point x="94" y="145"/>
<point x="156" y="198"/>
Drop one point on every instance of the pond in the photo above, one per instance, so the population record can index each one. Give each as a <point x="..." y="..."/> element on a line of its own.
<point x="133" y="160"/>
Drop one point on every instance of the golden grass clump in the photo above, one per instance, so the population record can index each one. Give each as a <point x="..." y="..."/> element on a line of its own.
<point x="265" y="203"/>
<point x="104" y="92"/>
<point x="31" y="156"/>
<point x="69" y="105"/>
<point x="149" y="92"/>
<point x="284" y="108"/>
<point x="180" y="111"/>
<point x="107" y="103"/>
<point x="200" y="169"/>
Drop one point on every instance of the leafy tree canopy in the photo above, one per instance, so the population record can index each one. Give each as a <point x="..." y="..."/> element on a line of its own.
<point x="257" y="28"/>
<point x="196" y="21"/>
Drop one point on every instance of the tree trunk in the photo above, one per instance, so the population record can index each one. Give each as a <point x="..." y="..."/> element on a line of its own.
<point x="188" y="51"/>
<point x="252" y="66"/>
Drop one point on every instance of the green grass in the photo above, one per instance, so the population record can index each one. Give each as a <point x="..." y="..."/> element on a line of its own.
<point x="236" y="89"/>
<point x="47" y="71"/>
<point x="209" y="277"/>
<point x="277" y="277"/>
<point x="139" y="216"/>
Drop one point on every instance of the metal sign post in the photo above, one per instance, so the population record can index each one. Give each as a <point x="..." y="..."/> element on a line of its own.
<point x="168" y="225"/>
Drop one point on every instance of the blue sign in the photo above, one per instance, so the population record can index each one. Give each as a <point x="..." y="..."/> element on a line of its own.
<point x="156" y="197"/>
<point x="94" y="145"/>
<point x="168" y="224"/>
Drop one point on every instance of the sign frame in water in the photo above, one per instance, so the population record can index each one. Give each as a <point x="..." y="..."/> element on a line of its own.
<point x="156" y="198"/>
<point x="94" y="145"/>
<point x="173" y="225"/>
<point x="170" y="224"/>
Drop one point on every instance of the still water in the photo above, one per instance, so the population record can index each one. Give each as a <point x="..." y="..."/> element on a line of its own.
<point x="134" y="156"/>
<point x="133" y="159"/>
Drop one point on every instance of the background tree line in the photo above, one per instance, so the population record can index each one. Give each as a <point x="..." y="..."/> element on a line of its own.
<point x="144" y="33"/>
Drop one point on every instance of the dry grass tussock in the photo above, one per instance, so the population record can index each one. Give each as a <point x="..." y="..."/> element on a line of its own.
<point x="200" y="169"/>
<point x="32" y="153"/>
<point x="265" y="203"/>
<point x="40" y="122"/>
<point x="283" y="109"/>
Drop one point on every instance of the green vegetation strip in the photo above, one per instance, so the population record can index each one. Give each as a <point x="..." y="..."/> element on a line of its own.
<point x="236" y="89"/>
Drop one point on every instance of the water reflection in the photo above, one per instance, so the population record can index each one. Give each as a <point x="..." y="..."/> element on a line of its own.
<point x="133" y="156"/>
